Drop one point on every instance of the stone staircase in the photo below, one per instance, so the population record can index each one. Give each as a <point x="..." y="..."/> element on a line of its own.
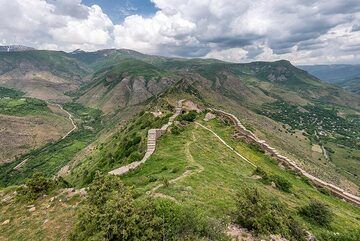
<point x="153" y="135"/>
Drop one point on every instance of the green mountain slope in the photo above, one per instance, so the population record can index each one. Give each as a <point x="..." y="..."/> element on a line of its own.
<point x="127" y="83"/>
<point x="27" y="123"/>
<point x="192" y="169"/>
<point x="116" y="96"/>
<point x="346" y="76"/>
<point x="41" y="74"/>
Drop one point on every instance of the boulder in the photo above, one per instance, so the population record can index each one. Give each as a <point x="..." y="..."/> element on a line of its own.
<point x="209" y="116"/>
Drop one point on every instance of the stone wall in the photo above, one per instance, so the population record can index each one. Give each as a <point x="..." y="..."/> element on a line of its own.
<point x="249" y="137"/>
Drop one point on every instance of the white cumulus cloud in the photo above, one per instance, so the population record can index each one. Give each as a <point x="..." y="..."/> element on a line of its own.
<point x="302" y="31"/>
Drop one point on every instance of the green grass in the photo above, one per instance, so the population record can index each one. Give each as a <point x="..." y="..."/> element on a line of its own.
<point x="125" y="146"/>
<point x="52" y="220"/>
<point x="22" y="106"/>
<point x="224" y="174"/>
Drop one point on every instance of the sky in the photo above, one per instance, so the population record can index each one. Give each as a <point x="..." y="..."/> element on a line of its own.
<point x="302" y="31"/>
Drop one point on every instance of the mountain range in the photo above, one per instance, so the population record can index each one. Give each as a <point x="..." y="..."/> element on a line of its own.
<point x="105" y="104"/>
<point x="346" y="76"/>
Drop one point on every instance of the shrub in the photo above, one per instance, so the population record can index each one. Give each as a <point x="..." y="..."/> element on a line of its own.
<point x="111" y="212"/>
<point x="317" y="212"/>
<point x="36" y="186"/>
<point x="281" y="183"/>
<point x="190" y="116"/>
<point x="260" y="172"/>
<point x="265" y="216"/>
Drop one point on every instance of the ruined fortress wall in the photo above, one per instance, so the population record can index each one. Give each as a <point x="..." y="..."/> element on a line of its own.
<point x="240" y="130"/>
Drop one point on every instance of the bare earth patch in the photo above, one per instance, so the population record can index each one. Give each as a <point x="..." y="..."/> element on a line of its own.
<point x="18" y="134"/>
<point x="316" y="148"/>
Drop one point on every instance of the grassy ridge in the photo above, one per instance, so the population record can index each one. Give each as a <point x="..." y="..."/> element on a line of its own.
<point x="224" y="174"/>
<point x="125" y="146"/>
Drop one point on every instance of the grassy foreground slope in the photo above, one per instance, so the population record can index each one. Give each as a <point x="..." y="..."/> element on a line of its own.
<point x="196" y="169"/>
<point x="193" y="169"/>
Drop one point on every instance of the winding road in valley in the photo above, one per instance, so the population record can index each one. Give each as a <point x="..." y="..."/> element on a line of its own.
<point x="70" y="117"/>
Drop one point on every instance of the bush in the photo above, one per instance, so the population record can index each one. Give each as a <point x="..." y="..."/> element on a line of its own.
<point x="190" y="116"/>
<point x="317" y="213"/>
<point x="111" y="212"/>
<point x="280" y="182"/>
<point x="36" y="186"/>
<point x="265" y="216"/>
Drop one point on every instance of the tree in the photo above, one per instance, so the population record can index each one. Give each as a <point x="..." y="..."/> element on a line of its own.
<point x="37" y="186"/>
<point x="190" y="116"/>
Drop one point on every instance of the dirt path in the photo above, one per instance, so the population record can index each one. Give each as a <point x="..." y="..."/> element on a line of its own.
<point x="192" y="163"/>
<point x="70" y="116"/>
<point x="227" y="145"/>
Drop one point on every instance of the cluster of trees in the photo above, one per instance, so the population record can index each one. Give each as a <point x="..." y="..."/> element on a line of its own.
<point x="316" y="121"/>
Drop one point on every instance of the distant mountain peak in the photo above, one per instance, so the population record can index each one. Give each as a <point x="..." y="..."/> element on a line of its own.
<point x="77" y="51"/>
<point x="15" y="48"/>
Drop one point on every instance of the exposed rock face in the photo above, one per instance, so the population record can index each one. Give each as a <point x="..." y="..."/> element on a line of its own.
<point x="126" y="92"/>
<point x="209" y="116"/>
<point x="7" y="221"/>
<point x="189" y="105"/>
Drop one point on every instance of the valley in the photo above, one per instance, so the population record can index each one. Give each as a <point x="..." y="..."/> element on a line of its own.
<point x="75" y="118"/>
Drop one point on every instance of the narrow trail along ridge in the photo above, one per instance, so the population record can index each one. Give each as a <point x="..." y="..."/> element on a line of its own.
<point x="242" y="131"/>
<point x="153" y="135"/>
<point x="227" y="145"/>
<point x="192" y="163"/>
